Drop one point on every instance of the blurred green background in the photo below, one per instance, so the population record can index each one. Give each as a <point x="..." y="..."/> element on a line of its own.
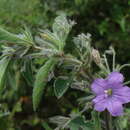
<point x="107" y="20"/>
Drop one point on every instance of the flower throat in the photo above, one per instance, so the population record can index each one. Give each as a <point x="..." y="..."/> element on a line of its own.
<point x="108" y="92"/>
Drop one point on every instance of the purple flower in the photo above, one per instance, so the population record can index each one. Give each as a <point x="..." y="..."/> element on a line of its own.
<point x="110" y="94"/>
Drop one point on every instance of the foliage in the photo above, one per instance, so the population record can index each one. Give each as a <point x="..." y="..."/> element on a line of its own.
<point x="45" y="75"/>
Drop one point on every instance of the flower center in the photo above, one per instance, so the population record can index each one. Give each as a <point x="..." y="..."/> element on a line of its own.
<point x="108" y="92"/>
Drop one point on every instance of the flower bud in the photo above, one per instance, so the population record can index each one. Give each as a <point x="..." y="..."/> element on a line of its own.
<point x="96" y="56"/>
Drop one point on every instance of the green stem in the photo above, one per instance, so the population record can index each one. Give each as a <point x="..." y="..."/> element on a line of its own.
<point x="106" y="62"/>
<point x="114" y="57"/>
<point x="108" y="121"/>
<point x="102" y="67"/>
<point x="123" y="66"/>
<point x="127" y="82"/>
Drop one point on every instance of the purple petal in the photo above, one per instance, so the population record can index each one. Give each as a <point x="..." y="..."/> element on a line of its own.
<point x="99" y="103"/>
<point x="115" y="77"/>
<point x="100" y="106"/>
<point x="98" y="86"/>
<point x="98" y="98"/>
<point x="122" y="94"/>
<point x="115" y="85"/>
<point x="114" y="107"/>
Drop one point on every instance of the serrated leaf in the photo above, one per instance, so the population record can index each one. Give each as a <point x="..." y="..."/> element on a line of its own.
<point x="60" y="86"/>
<point x="40" y="82"/>
<point x="3" y="67"/>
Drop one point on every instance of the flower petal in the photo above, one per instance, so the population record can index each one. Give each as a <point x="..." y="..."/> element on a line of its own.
<point x="100" y="106"/>
<point x="99" y="103"/>
<point x="98" y="86"/>
<point x="122" y="94"/>
<point x="98" y="98"/>
<point x="115" y="77"/>
<point x="114" y="107"/>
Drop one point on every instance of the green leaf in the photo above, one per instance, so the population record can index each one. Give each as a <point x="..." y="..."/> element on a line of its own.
<point x="3" y="67"/>
<point x="7" y="36"/>
<point x="103" y="27"/>
<point x="28" y="36"/>
<point x="51" y="38"/>
<point x="128" y="2"/>
<point x="16" y="108"/>
<point x="79" y="122"/>
<point x="60" y="86"/>
<point x="59" y="120"/>
<point x="86" y="99"/>
<point x="96" y="119"/>
<point x="121" y="123"/>
<point x="46" y="126"/>
<point x="27" y="72"/>
<point x="122" y="23"/>
<point x="62" y="27"/>
<point x="23" y="39"/>
<point x="78" y="2"/>
<point x="41" y="80"/>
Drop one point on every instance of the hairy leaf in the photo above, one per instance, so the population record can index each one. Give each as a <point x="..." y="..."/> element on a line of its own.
<point x="28" y="72"/>
<point x="60" y="87"/>
<point x="60" y="121"/>
<point x="62" y="27"/>
<point x="41" y="80"/>
<point x="3" y="67"/>
<point x="80" y="123"/>
<point x="7" y="36"/>
<point x="52" y="38"/>
<point x="13" y="38"/>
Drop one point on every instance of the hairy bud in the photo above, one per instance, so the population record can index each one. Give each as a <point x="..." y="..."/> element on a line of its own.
<point x="96" y="56"/>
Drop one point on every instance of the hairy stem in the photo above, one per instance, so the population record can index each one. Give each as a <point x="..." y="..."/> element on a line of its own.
<point x="123" y="66"/>
<point x="127" y="82"/>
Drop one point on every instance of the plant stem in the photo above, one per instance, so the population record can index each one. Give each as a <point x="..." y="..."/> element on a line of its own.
<point x="127" y="82"/>
<point x="114" y="55"/>
<point x="123" y="66"/>
<point x="108" y="121"/>
<point x="106" y="62"/>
